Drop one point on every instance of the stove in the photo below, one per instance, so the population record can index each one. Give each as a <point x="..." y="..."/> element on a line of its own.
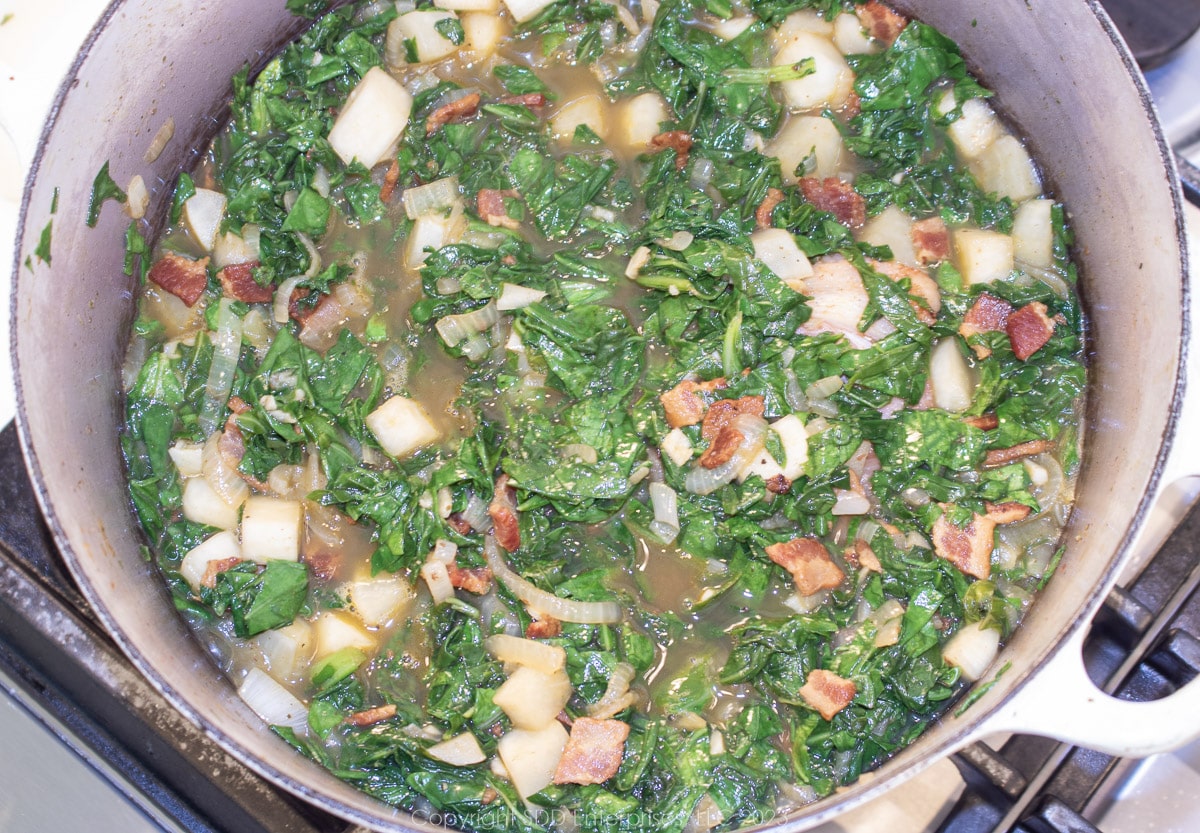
<point x="89" y="726"/>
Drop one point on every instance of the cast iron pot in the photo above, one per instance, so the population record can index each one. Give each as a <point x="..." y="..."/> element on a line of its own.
<point x="1060" y="74"/>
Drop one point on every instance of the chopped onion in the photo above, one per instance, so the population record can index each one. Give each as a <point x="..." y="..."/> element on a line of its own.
<point x="792" y="394"/>
<point x="666" y="512"/>
<point x="866" y="531"/>
<point x="456" y="328"/>
<point x="678" y="241"/>
<point x="822" y="407"/>
<point x="223" y="478"/>
<point x="437" y="578"/>
<point x="460" y="750"/>
<point x="513" y="297"/>
<point x="159" y="143"/>
<point x="702" y="173"/>
<point x="433" y="199"/>
<point x="476" y="514"/>
<point x="475" y="348"/>
<point x="917" y="540"/>
<point x="447" y="285"/>
<point x="914" y="497"/>
<point x="271" y="701"/>
<point x="580" y="451"/>
<point x="824" y="388"/>
<point x="702" y="481"/>
<point x="850" y="503"/>
<point x="816" y="426"/>
<point x="640" y="258"/>
<point x="566" y="610"/>
<point x="540" y="656"/>
<point x="443" y="551"/>
<point x="227" y="347"/>
<point x="617" y="697"/>
<point x="283" y="298"/>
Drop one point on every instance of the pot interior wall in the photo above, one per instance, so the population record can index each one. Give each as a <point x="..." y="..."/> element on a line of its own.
<point x="1056" y="71"/>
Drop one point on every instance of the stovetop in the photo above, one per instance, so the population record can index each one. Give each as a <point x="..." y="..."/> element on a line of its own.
<point x="92" y="729"/>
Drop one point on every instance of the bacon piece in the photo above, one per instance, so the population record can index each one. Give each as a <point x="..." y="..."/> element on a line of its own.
<point x="490" y="204"/>
<point x="721" y="450"/>
<point x="987" y="314"/>
<point x="779" y="485"/>
<point x="984" y="422"/>
<point x="390" y="179"/>
<point x="927" y="400"/>
<point x="1029" y="328"/>
<point x="593" y="752"/>
<point x="762" y="214"/>
<point x="867" y="557"/>
<point x="488" y="796"/>
<point x="809" y="563"/>
<point x="477" y="580"/>
<point x="182" y="277"/>
<point x="299" y="312"/>
<point x="931" y="239"/>
<point x="232" y="448"/>
<point x="1007" y="513"/>
<point x="838" y="197"/>
<point x="503" y="512"/>
<point x="369" y="717"/>
<point x="239" y="405"/>
<point x="969" y="549"/>
<point x="683" y="404"/>
<point x="852" y="107"/>
<point x="530" y="100"/>
<point x="827" y="692"/>
<point x="323" y="562"/>
<point x="543" y="627"/>
<point x="457" y="110"/>
<point x="724" y="411"/>
<point x="1003" y="456"/>
<point x="214" y="568"/>
<point x="921" y="285"/>
<point x="837" y="299"/>
<point x="881" y="23"/>
<point x="237" y="281"/>
<point x="679" y="141"/>
<point x="459" y="524"/>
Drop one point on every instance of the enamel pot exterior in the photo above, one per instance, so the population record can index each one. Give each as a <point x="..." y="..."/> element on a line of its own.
<point x="1060" y="77"/>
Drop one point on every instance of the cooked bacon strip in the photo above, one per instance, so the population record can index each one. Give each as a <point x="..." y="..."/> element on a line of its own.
<point x="827" y="693"/>
<point x="457" y="110"/>
<point x="683" y="404"/>
<point x="593" y="752"/>
<point x="477" y="580"/>
<point x="239" y="405"/>
<point x="530" y="100"/>
<point x="809" y="563"/>
<point x="390" y="180"/>
<point x="987" y="314"/>
<point x="490" y="204"/>
<point x="970" y="549"/>
<point x="544" y="627"/>
<point x="679" y="141"/>
<point x="922" y="286"/>
<point x="231" y="446"/>
<point x="867" y="557"/>
<point x="1029" y="328"/>
<point x="779" y="485"/>
<point x="323" y="562"/>
<point x="724" y="411"/>
<point x="721" y="450"/>
<point x="237" y="282"/>
<point x="300" y="313"/>
<point x="881" y="23"/>
<point x="984" y="422"/>
<point x="1003" y="456"/>
<point x="182" y="277"/>
<point x="369" y="717"/>
<point x="459" y="524"/>
<point x="214" y="568"/>
<point x="503" y="512"/>
<point x="762" y="214"/>
<point x="838" y="197"/>
<point x="1007" y="513"/>
<point x="852" y="107"/>
<point x="931" y="239"/>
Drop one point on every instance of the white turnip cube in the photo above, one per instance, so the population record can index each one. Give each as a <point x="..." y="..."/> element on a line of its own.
<point x="379" y="600"/>
<point x="777" y="250"/>
<point x="677" y="447"/>
<point x="531" y="698"/>
<point x="460" y="750"/>
<point x="763" y="465"/>
<point x="202" y="505"/>
<point x="429" y="233"/>
<point x="976" y="129"/>
<point x="983" y="256"/>
<point x="401" y="426"/>
<point x="287" y="650"/>
<point x="482" y="32"/>
<point x="531" y="757"/>
<point x="808" y="139"/>
<point x="950" y="377"/>
<point x="640" y="118"/>
<point x="805" y="20"/>
<point x="1006" y="168"/>
<point x="892" y="228"/>
<point x="586" y="110"/>
<point x="372" y="119"/>
<point x="523" y="10"/>
<point x="540" y="656"/>
<point x="419" y="29"/>
<point x="272" y="529"/>
<point x="827" y="86"/>
<point x="1033" y="234"/>
<point x="731" y="28"/>
<point x="231" y="248"/>
<point x="850" y="37"/>
<point x="202" y="214"/>
<point x="335" y="630"/>
<point x="972" y="650"/>
<point x="188" y="458"/>
<point x="220" y="547"/>
<point x="794" y="438"/>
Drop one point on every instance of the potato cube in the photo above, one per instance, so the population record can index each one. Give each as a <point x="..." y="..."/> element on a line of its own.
<point x="271" y="529"/>
<point x="983" y="256"/>
<point x="777" y="250"/>
<point x="402" y="426"/>
<point x="1006" y="168"/>
<point x="530" y="757"/>
<point x="482" y="32"/>
<point x="585" y="110"/>
<point x="950" y="377"/>
<point x="531" y="698"/>
<point x="892" y="228"/>
<point x="805" y="20"/>
<point x="220" y="547"/>
<point x="805" y="138"/>
<point x="372" y="119"/>
<point x="419" y="30"/>
<point x="1033" y="235"/>
<point x="335" y="630"/>
<point x="202" y="214"/>
<point x="827" y="86"/>
<point x="640" y="119"/>
<point x="379" y="600"/>
<point x="202" y="505"/>
<point x="975" y="130"/>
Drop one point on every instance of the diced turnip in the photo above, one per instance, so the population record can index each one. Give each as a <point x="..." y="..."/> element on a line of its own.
<point x="188" y="458"/>
<point x="231" y="247"/>
<point x="418" y="32"/>
<point x="202" y="214"/>
<point x="972" y="650"/>
<point x="950" y="377"/>
<point x="640" y="118"/>
<point x="892" y="228"/>
<point x="271" y="529"/>
<point x="220" y="547"/>
<point x="530" y="757"/>
<point x="850" y="37"/>
<point x="1033" y="233"/>
<point x="1006" y="168"/>
<point x="540" y="656"/>
<point x="586" y="110"/>
<point x="531" y="698"/>
<point x="805" y="20"/>
<point x="677" y="447"/>
<point x="372" y="119"/>
<point x="468" y="5"/>
<point x="379" y="600"/>
<point x="523" y="10"/>
<point x="732" y="27"/>
<point x="429" y="233"/>
<point x="271" y="701"/>
<point x="482" y="32"/>
<point x="776" y="248"/>
<point x="794" y="437"/>
<point x="983" y="256"/>
<point x="804" y="141"/>
<point x="335" y="630"/>
<point x="763" y="465"/>
<point x="287" y="649"/>
<point x="830" y="82"/>
<point x="976" y="129"/>
<point x="180" y="322"/>
<point x="202" y="505"/>
<point x="460" y="750"/>
<point x="402" y="426"/>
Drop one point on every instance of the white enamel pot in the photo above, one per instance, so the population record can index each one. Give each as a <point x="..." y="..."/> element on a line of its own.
<point x="1061" y="76"/>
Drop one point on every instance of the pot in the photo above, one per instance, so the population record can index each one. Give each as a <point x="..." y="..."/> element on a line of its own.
<point x="1062" y="77"/>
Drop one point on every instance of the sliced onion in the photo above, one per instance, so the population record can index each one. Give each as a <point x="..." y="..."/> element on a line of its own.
<point x="565" y="610"/>
<point x="816" y="426"/>
<point x="433" y="199"/>
<point x="513" y="297"/>
<point x="443" y="551"/>
<point x="456" y="328"/>
<point x="271" y="701"/>
<point x="617" y="697"/>
<point x="222" y="477"/>
<point x="541" y="656"/>
<point x="824" y="388"/>
<point x="792" y="394"/>
<point x="447" y="285"/>
<point x="702" y="481"/>
<point x="678" y="241"/>
<point x="280" y="308"/>
<point x="866" y="531"/>
<point x="476" y="514"/>
<point x="475" y="349"/>
<point x="227" y="347"/>
<point x="437" y="579"/>
<point x="666" y="512"/>
<point x="582" y="452"/>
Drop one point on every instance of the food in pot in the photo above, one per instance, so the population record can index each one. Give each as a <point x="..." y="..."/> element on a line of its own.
<point x="573" y="415"/>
